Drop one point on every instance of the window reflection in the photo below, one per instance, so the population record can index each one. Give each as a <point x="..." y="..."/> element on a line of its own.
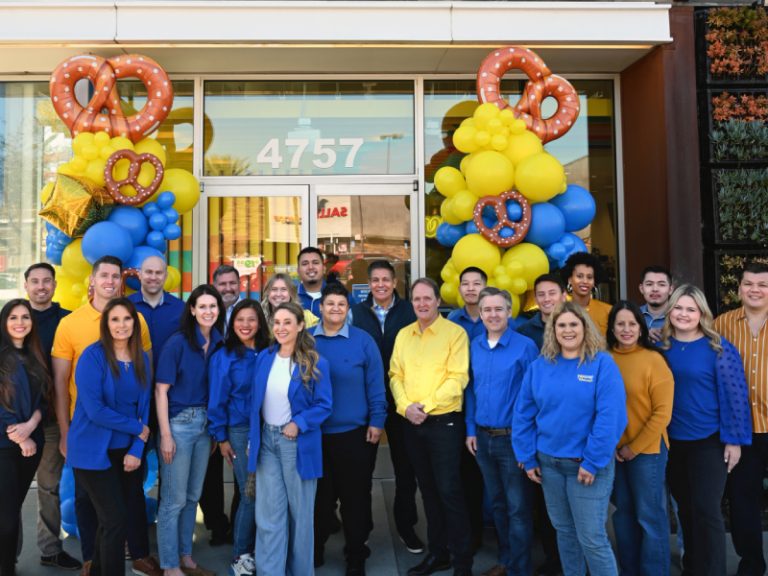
<point x="587" y="152"/>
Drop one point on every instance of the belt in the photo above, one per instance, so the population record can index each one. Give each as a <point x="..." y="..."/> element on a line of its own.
<point x="495" y="431"/>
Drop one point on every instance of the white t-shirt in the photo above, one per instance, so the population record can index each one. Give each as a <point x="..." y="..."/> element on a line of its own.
<point x="277" y="408"/>
<point x="492" y="343"/>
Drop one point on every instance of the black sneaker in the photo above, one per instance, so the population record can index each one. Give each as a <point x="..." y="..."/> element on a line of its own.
<point x="61" y="560"/>
<point x="413" y="543"/>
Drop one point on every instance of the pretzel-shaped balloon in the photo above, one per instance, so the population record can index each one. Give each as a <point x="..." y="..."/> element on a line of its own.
<point x="142" y="192"/>
<point x="103" y="112"/>
<point x="505" y="232"/>
<point x="541" y="85"/>
<point x="129" y="273"/>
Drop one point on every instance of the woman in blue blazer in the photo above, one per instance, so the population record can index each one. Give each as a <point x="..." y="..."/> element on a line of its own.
<point x="109" y="430"/>
<point x="24" y="382"/>
<point x="291" y="399"/>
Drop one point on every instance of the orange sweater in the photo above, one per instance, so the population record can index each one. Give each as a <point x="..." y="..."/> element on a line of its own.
<point x="598" y="311"/>
<point x="650" y="390"/>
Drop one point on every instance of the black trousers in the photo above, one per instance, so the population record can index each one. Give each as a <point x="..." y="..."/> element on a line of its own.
<point x="212" y="497"/>
<point x="16" y="474"/>
<point x="347" y="466"/>
<point x="117" y="497"/>
<point x="697" y="476"/>
<point x="472" y="481"/>
<point x="435" y="449"/>
<point x="405" y="477"/>
<point x="745" y="495"/>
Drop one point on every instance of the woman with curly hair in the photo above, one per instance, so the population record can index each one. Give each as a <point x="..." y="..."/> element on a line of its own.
<point x="569" y="416"/>
<point x="711" y="420"/>
<point x="581" y="273"/>
<point x="24" y="384"/>
<point x="291" y="399"/>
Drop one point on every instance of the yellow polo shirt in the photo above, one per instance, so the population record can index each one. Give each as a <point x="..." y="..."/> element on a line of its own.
<point x="430" y="367"/>
<point x="75" y="333"/>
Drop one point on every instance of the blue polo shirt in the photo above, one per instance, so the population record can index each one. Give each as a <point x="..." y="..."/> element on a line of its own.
<point x="650" y="320"/>
<point x="534" y="329"/>
<point x="473" y="328"/>
<point x="185" y="368"/>
<point x="162" y="320"/>
<point x="357" y="379"/>
<point x="230" y="377"/>
<point x="496" y="376"/>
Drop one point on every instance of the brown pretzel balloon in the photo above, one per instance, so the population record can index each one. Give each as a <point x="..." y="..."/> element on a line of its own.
<point x="499" y="204"/>
<point x="137" y="160"/>
<point x="128" y="273"/>
<point x="104" y="112"/>
<point x="541" y="84"/>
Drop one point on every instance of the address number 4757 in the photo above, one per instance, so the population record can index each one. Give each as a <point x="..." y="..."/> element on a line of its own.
<point x="324" y="153"/>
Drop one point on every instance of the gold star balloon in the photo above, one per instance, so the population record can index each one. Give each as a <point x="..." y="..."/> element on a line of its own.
<point x="75" y="204"/>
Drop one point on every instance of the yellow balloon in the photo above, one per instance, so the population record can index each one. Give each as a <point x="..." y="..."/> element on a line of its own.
<point x="499" y="142"/>
<point x="540" y="177"/>
<point x="106" y="151"/>
<point x="151" y="146"/>
<point x="526" y="261"/>
<point x="523" y="145"/>
<point x="463" y="204"/>
<point x="80" y="141"/>
<point x="503" y="281"/>
<point x="90" y="151"/>
<point x="449" y="292"/>
<point x="515" y="306"/>
<point x="95" y="171"/>
<point x="79" y="164"/>
<point x="485" y="113"/>
<point x="45" y="193"/>
<point x="490" y="173"/>
<point x="464" y="164"/>
<point x="449" y="272"/>
<point x="517" y="286"/>
<point x="482" y="138"/>
<point x="73" y="262"/>
<point x="507" y="117"/>
<point x="464" y="139"/>
<point x="474" y="250"/>
<point x="121" y="143"/>
<point x="67" y="170"/>
<point x="185" y="187"/>
<point x="517" y="127"/>
<point x="101" y="139"/>
<point x="446" y="211"/>
<point x="173" y="280"/>
<point x="448" y="181"/>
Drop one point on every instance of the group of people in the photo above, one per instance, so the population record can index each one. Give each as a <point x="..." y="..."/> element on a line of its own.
<point x="547" y="420"/>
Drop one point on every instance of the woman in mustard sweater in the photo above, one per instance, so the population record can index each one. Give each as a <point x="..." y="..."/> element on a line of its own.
<point x="640" y="520"/>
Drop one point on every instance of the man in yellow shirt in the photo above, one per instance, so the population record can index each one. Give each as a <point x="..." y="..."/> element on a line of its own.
<point x="428" y="373"/>
<point x="74" y="334"/>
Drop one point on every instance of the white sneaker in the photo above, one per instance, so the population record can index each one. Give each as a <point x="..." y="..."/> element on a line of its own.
<point x="243" y="566"/>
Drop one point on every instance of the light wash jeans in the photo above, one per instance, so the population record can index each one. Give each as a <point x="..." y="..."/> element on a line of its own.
<point x="181" y="483"/>
<point x="579" y="514"/>
<point x="245" y="517"/>
<point x="285" y="509"/>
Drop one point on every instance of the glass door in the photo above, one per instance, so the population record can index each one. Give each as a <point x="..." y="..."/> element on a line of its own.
<point x="355" y="224"/>
<point x="257" y="229"/>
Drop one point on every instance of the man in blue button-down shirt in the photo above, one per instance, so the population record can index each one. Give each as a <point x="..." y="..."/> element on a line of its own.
<point x="499" y="359"/>
<point x="656" y="288"/>
<point x="471" y="281"/>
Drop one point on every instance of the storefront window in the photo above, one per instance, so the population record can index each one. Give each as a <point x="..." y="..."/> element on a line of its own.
<point x="304" y="128"/>
<point x="587" y="152"/>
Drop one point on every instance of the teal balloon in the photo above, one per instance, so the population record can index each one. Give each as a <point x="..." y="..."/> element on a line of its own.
<point x="577" y="205"/>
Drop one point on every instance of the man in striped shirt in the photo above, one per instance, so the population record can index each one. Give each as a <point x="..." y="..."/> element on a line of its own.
<point x="746" y="328"/>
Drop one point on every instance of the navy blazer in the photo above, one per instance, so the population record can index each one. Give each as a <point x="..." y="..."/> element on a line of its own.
<point x="95" y="416"/>
<point x="309" y="409"/>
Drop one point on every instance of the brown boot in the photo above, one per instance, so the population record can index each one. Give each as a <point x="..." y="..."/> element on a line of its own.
<point x="86" y="571"/>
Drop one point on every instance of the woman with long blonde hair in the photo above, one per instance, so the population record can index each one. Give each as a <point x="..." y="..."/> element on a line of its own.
<point x="568" y="419"/>
<point x="711" y="420"/>
<point x="291" y="399"/>
<point x="280" y="288"/>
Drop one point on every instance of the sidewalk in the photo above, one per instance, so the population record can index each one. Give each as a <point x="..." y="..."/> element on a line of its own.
<point x="388" y="558"/>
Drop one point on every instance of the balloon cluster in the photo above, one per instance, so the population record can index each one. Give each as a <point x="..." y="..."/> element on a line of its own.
<point x="116" y="196"/>
<point x="509" y="193"/>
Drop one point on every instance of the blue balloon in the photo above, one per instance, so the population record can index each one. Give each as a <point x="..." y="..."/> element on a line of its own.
<point x="171" y="215"/>
<point x="151" y="506"/>
<point x="107" y="239"/>
<point x="514" y="210"/>
<point x="49" y="227"/>
<point x="173" y="231"/>
<point x="506" y="232"/>
<point x="68" y="516"/>
<point x="471" y="228"/>
<point x="559" y="252"/>
<point x="577" y="205"/>
<point x="448" y="234"/>
<point x="150" y="208"/>
<point x="165" y="199"/>
<point x="547" y="225"/>
<point x="66" y="483"/>
<point x="140" y="254"/>
<point x="133" y="220"/>
<point x="156" y="240"/>
<point x="152" y="469"/>
<point x="53" y="254"/>
<point x="158" y="221"/>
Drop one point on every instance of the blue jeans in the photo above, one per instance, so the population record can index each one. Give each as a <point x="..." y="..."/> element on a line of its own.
<point x="285" y="509"/>
<point x="181" y="483"/>
<point x="510" y="493"/>
<point x="579" y="514"/>
<point x="640" y="521"/>
<point x="245" y="518"/>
